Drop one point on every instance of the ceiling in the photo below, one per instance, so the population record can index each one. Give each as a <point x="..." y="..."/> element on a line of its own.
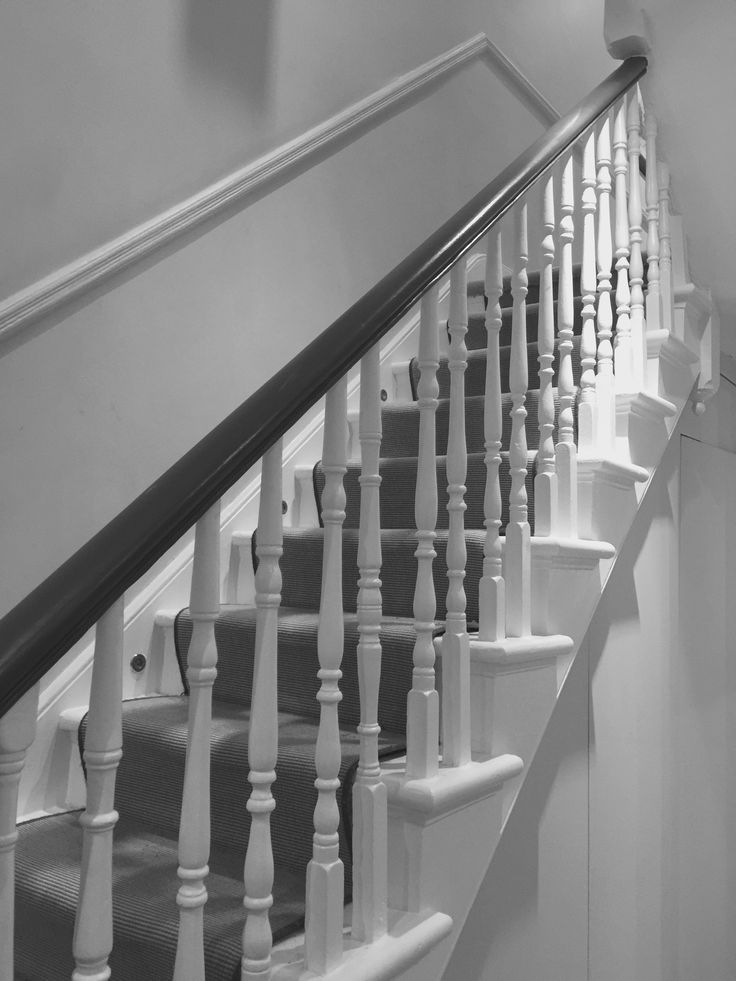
<point x="692" y="85"/>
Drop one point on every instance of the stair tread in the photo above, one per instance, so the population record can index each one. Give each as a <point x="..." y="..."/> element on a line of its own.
<point x="155" y="739"/>
<point x="298" y="664"/>
<point x="144" y="888"/>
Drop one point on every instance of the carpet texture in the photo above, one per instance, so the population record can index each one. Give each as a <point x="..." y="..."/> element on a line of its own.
<point x="150" y="777"/>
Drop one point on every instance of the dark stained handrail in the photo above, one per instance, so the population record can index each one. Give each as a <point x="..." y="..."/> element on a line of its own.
<point x="36" y="633"/>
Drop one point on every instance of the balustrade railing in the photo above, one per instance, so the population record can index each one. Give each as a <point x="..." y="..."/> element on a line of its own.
<point x="601" y="203"/>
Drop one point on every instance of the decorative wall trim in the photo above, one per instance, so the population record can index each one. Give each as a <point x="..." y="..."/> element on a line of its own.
<point x="516" y="81"/>
<point x="91" y="270"/>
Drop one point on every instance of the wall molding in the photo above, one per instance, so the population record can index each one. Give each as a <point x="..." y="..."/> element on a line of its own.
<point x="70" y="282"/>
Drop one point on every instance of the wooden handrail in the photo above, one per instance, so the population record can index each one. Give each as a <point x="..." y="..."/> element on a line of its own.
<point x="36" y="633"/>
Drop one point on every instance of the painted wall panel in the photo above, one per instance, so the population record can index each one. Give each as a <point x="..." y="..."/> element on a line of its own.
<point x="530" y="918"/>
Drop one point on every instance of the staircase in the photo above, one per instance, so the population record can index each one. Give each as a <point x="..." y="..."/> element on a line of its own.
<point x="538" y="412"/>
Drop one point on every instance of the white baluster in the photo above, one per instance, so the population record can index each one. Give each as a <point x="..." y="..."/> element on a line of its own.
<point x="545" y="481"/>
<point x="194" y="827"/>
<point x="325" y="873"/>
<point x="370" y="829"/>
<point x="103" y="750"/>
<point x="17" y="732"/>
<point x="587" y="416"/>
<point x="517" y="554"/>
<point x="623" y="355"/>
<point x="455" y="643"/>
<point x="636" y="265"/>
<point x="422" y="710"/>
<point x="652" y="188"/>
<point x="566" y="453"/>
<point x="665" y="249"/>
<point x="653" y="297"/>
<point x="492" y="600"/>
<point x="263" y="736"/>
<point x="604" y="382"/>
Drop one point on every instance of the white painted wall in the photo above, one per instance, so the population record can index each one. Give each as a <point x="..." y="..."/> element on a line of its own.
<point x="663" y="726"/>
<point x="111" y="113"/>
<point x="617" y="862"/>
<point x="692" y="86"/>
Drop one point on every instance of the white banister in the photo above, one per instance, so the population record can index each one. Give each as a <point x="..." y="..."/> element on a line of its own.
<point x="492" y="601"/>
<point x="623" y="353"/>
<point x="325" y="872"/>
<point x="455" y="645"/>
<point x="422" y="712"/>
<point x="517" y="553"/>
<point x="587" y="416"/>
<point x="103" y="750"/>
<point x="370" y="819"/>
<point x="652" y="188"/>
<point x="263" y="735"/>
<point x="604" y="381"/>
<point x="566" y="452"/>
<point x="194" y="827"/>
<point x="636" y="264"/>
<point x="545" y="481"/>
<point x="17" y="732"/>
<point x="665" y="249"/>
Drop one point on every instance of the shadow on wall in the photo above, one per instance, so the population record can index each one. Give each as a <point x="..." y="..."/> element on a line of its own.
<point x="231" y="41"/>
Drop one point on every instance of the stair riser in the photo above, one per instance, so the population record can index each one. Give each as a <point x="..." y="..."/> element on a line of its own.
<point x="398" y="481"/>
<point x="401" y="426"/>
<point x="298" y="666"/>
<point x="475" y="375"/>
<point x="302" y="565"/>
<point x="477" y="336"/>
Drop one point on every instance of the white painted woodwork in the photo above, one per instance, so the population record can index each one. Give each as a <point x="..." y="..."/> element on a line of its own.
<point x="636" y="265"/>
<point x="604" y="381"/>
<point x="455" y="651"/>
<point x="545" y="481"/>
<point x="263" y="735"/>
<point x="623" y="353"/>
<point x="517" y="554"/>
<point x="325" y="873"/>
<point x="665" y="249"/>
<point x="194" y="827"/>
<point x="653" y="317"/>
<point x="625" y="29"/>
<point x="370" y="819"/>
<point x="587" y="415"/>
<point x="566" y="450"/>
<point x="17" y="732"/>
<point x="492" y="599"/>
<point x="103" y="750"/>
<point x="422" y="712"/>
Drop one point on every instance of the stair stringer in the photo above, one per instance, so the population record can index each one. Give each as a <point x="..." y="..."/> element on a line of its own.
<point x="568" y="582"/>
